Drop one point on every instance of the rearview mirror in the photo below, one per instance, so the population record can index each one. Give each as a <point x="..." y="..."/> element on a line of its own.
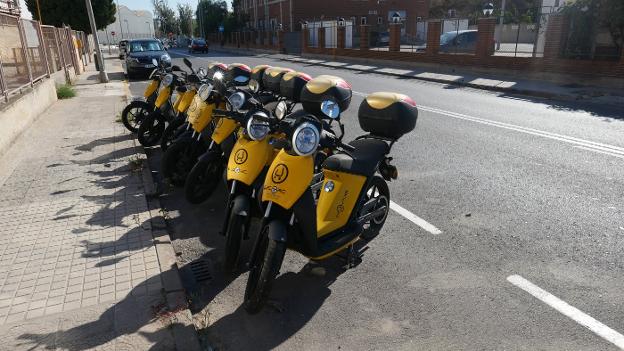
<point x="188" y="63"/>
<point x="154" y="62"/>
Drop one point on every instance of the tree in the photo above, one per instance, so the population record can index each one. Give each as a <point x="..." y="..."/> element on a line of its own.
<point x="73" y="13"/>
<point x="167" y="21"/>
<point x="211" y="14"/>
<point x="588" y="17"/>
<point x="185" y="16"/>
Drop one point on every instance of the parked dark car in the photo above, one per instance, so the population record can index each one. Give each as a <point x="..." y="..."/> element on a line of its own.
<point x="463" y="41"/>
<point x="198" y="45"/>
<point x="140" y="53"/>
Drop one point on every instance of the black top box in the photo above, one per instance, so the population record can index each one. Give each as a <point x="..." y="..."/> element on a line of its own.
<point x="237" y="74"/>
<point x="388" y="115"/>
<point x="292" y="84"/>
<point x="323" y="88"/>
<point x="273" y="77"/>
<point x="257" y="74"/>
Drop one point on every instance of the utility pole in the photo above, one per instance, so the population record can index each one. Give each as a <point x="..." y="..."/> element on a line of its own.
<point x="96" y="41"/>
<point x="119" y="19"/>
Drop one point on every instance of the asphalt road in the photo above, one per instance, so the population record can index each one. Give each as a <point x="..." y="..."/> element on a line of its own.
<point x="527" y="194"/>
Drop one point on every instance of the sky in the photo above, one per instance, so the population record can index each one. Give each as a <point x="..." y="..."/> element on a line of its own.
<point x="134" y="5"/>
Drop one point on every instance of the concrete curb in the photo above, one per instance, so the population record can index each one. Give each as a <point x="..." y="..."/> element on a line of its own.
<point x="183" y="329"/>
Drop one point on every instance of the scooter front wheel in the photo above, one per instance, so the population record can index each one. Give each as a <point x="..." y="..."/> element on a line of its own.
<point x="177" y="161"/>
<point x="170" y="133"/>
<point x="264" y="267"/>
<point x="133" y="114"/>
<point x="151" y="130"/>
<point x="234" y="236"/>
<point x="204" y="178"/>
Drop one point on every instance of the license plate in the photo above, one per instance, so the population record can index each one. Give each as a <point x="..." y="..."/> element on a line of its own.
<point x="149" y="66"/>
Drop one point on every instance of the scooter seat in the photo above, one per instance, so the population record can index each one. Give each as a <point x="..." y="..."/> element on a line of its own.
<point x="364" y="160"/>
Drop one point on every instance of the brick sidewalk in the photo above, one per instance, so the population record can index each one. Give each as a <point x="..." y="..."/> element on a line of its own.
<point x="79" y="268"/>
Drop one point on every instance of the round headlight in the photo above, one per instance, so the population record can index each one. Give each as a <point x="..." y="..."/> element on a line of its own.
<point x="168" y="80"/>
<point x="218" y="75"/>
<point x="280" y="110"/>
<point x="237" y="100"/>
<point x="257" y="129"/>
<point x="305" y="139"/>
<point x="204" y="91"/>
<point x="254" y="86"/>
<point x="330" y="108"/>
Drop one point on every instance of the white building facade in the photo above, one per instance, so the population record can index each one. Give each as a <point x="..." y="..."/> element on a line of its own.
<point x="129" y="24"/>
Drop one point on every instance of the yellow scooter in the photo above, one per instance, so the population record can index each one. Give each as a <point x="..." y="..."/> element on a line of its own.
<point x="139" y="108"/>
<point x="354" y="198"/>
<point x="250" y="158"/>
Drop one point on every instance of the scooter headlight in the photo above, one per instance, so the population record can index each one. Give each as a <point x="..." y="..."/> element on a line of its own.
<point x="305" y="139"/>
<point x="237" y="100"/>
<point x="330" y="108"/>
<point x="254" y="86"/>
<point x="168" y="80"/>
<point x="280" y="110"/>
<point x="204" y="91"/>
<point x="256" y="128"/>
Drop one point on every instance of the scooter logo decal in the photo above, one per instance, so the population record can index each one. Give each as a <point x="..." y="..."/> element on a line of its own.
<point x="280" y="173"/>
<point x="340" y="208"/>
<point x="241" y="156"/>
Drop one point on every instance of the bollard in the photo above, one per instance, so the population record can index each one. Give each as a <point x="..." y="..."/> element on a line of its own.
<point x="97" y="64"/>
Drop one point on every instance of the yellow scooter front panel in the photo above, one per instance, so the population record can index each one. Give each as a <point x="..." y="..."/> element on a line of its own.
<point x="288" y="178"/>
<point x="176" y="101"/>
<point x="225" y="127"/>
<point x="151" y="88"/>
<point x="247" y="159"/>
<point x="337" y="200"/>
<point x="185" y="101"/>
<point x="200" y="114"/>
<point x="163" y="96"/>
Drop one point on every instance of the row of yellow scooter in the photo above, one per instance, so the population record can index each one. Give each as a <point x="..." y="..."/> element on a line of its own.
<point x="276" y="136"/>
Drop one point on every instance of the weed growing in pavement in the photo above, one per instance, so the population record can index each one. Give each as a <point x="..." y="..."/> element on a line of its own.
<point x="118" y="117"/>
<point x="136" y="164"/>
<point x="65" y="92"/>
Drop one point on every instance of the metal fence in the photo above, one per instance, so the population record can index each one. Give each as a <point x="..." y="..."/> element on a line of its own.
<point x="30" y="52"/>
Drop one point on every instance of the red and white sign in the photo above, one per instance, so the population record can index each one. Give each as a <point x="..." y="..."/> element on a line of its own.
<point x="113" y="33"/>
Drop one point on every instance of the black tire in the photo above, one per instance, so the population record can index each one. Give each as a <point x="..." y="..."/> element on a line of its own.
<point x="133" y="114"/>
<point x="377" y="188"/>
<point x="178" y="161"/>
<point x="203" y="179"/>
<point x="170" y="133"/>
<point x="233" y="237"/>
<point x="264" y="267"/>
<point x="151" y="130"/>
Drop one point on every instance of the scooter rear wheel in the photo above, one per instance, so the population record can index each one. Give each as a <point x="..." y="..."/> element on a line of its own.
<point x="133" y="114"/>
<point x="263" y="270"/>
<point x="178" y="161"/>
<point x="151" y="130"/>
<point x="378" y="188"/>
<point x="203" y="179"/>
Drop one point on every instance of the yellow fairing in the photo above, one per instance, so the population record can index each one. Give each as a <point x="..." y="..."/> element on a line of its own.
<point x="288" y="178"/>
<point x="151" y="88"/>
<point x="186" y="99"/>
<point x="247" y="159"/>
<point x="163" y="96"/>
<point x="225" y="127"/>
<point x="334" y="207"/>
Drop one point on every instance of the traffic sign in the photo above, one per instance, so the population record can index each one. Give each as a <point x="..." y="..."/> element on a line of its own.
<point x="221" y="29"/>
<point x="113" y="33"/>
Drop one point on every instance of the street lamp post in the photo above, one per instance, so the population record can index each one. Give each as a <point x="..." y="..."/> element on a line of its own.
<point x="127" y="28"/>
<point x="149" y="28"/>
<point x="96" y="41"/>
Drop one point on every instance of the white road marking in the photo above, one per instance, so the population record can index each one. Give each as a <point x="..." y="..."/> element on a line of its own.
<point x="610" y="150"/>
<point x="415" y="219"/>
<point x="571" y="312"/>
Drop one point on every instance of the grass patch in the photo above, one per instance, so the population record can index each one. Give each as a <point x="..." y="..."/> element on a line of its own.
<point x="136" y="164"/>
<point x="118" y="117"/>
<point x="65" y="92"/>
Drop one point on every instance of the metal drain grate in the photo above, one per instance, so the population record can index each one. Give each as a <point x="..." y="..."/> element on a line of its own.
<point x="200" y="270"/>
